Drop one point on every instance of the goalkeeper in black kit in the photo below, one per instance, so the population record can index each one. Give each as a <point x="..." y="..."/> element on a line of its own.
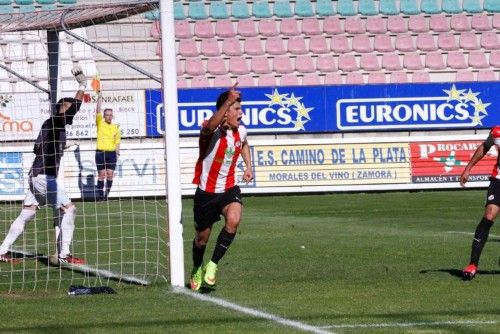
<point x="492" y="206"/>
<point x="43" y="186"/>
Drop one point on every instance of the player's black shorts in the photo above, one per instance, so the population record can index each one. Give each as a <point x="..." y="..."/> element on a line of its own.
<point x="208" y="206"/>
<point x="105" y="159"/>
<point x="493" y="195"/>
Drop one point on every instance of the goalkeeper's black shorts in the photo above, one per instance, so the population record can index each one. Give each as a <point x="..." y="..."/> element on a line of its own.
<point x="208" y="206"/>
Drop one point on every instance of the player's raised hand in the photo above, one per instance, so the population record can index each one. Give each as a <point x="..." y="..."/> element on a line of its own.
<point x="79" y="77"/>
<point x="233" y="93"/>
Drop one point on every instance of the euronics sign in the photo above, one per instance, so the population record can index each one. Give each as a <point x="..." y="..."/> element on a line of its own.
<point x="341" y="108"/>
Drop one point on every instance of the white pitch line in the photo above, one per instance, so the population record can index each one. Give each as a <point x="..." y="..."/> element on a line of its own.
<point x="470" y="233"/>
<point x="415" y="324"/>
<point x="252" y="312"/>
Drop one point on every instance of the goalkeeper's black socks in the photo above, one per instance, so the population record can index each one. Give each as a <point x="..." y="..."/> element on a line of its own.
<point x="100" y="188"/>
<point x="480" y="238"/>
<point x="224" y="240"/>
<point x="198" y="254"/>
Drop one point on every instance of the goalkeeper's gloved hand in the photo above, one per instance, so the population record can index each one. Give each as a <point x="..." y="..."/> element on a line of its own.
<point x="79" y="77"/>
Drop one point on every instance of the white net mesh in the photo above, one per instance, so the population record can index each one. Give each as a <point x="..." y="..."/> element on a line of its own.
<point x="123" y="238"/>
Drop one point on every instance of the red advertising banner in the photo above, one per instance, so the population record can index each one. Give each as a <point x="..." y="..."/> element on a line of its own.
<point x="444" y="161"/>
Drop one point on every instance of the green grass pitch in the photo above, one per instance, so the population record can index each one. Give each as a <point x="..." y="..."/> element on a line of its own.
<point x="346" y="263"/>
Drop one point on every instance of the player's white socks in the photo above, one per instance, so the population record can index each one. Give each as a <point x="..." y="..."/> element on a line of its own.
<point x="16" y="228"/>
<point x="67" y="228"/>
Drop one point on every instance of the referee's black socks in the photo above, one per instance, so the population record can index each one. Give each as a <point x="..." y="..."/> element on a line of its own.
<point x="480" y="238"/>
<point x="224" y="240"/>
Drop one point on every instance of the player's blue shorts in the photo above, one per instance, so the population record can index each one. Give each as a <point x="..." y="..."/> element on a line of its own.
<point x="105" y="160"/>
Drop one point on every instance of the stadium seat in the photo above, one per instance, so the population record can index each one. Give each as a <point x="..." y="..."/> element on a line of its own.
<point x="197" y="11"/>
<point x="434" y="61"/>
<point x="158" y="48"/>
<point x="218" y="10"/>
<point x="47" y="4"/>
<point x="260" y="65"/>
<point x="268" y="80"/>
<point x="339" y="44"/>
<point x="282" y="65"/>
<point x="178" y="67"/>
<point x="492" y="6"/>
<point x="268" y="28"/>
<point x="304" y="64"/>
<point x="204" y="29"/>
<point x="179" y="13"/>
<point x="274" y="46"/>
<point x="464" y="76"/>
<point x="238" y="66"/>
<point x="376" y="78"/>
<point x="310" y="26"/>
<point x="439" y="23"/>
<point x="490" y="40"/>
<point x="397" y="24"/>
<point x="495" y="58"/>
<point x="289" y="79"/>
<point x="354" y="25"/>
<point x="318" y="44"/>
<point x="324" y="8"/>
<point x="194" y="67"/>
<point x="460" y="23"/>
<point x="6" y="9"/>
<point x="391" y="62"/>
<point x="426" y="43"/>
<point x="289" y="27"/>
<point x="468" y="41"/>
<point x="155" y="30"/>
<point x="452" y="6"/>
<point x="388" y="7"/>
<point x="216" y="66"/>
<point x="430" y="6"/>
<point x="446" y="41"/>
<point x="367" y="7"/>
<point x="332" y="26"/>
<point x="420" y="77"/>
<point x="409" y="7"/>
<point x="200" y="82"/>
<point x="486" y="75"/>
<point x="182" y="29"/>
<point x="346" y="8"/>
<point x="239" y="9"/>
<point x="182" y="82"/>
<point x="361" y="44"/>
<point x="456" y="60"/>
<point x="210" y="47"/>
<point x="354" y="78"/>
<point x="325" y="63"/>
<point x="224" y="28"/>
<point x="68" y="2"/>
<point x="333" y="79"/>
<point x="282" y="8"/>
<point x="188" y="48"/>
<point x="304" y="8"/>
<point x="398" y="77"/>
<point x="311" y="79"/>
<point x="405" y="43"/>
<point x="418" y="23"/>
<point x="412" y="62"/>
<point x="480" y="22"/>
<point x="376" y="25"/>
<point x="25" y="5"/>
<point x="246" y="28"/>
<point x="297" y="46"/>
<point x="369" y="62"/>
<point x="383" y="43"/>
<point x="472" y="6"/>
<point x="347" y="63"/>
<point x="260" y="9"/>
<point x="477" y="59"/>
<point x="252" y="46"/>
<point x="245" y="81"/>
<point x="222" y="81"/>
<point x="496" y="21"/>
<point x="232" y="47"/>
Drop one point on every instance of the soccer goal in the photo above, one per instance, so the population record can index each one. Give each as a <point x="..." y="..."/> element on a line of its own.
<point x="126" y="236"/>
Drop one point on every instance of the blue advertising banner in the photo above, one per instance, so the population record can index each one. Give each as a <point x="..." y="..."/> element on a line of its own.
<point x="11" y="173"/>
<point x="343" y="108"/>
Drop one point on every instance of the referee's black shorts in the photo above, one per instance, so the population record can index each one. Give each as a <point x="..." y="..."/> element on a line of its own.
<point x="105" y="159"/>
<point x="208" y="206"/>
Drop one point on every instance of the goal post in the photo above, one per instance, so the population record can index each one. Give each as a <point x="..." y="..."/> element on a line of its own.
<point x="126" y="238"/>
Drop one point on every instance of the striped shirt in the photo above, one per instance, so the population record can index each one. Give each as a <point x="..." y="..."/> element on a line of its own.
<point x="108" y="135"/>
<point x="219" y="152"/>
<point x="494" y="139"/>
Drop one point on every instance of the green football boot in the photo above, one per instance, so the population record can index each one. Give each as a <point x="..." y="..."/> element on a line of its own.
<point x="196" y="278"/>
<point x="210" y="271"/>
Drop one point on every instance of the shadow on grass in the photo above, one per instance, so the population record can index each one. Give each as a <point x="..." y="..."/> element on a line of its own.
<point x="204" y="289"/>
<point x="458" y="272"/>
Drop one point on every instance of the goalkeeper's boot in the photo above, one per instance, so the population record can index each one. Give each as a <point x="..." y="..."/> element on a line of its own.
<point x="210" y="271"/>
<point x="469" y="272"/>
<point x="7" y="258"/>
<point x="71" y="260"/>
<point x="196" y="278"/>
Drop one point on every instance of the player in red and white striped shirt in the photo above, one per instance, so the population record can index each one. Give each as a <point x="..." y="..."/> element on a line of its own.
<point x="222" y="141"/>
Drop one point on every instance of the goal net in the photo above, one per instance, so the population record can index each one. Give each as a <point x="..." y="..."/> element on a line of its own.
<point x="123" y="238"/>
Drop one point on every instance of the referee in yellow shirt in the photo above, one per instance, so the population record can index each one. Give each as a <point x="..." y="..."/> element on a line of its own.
<point x="107" y="150"/>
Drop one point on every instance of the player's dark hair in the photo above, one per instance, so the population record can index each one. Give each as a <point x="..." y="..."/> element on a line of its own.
<point x="223" y="98"/>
